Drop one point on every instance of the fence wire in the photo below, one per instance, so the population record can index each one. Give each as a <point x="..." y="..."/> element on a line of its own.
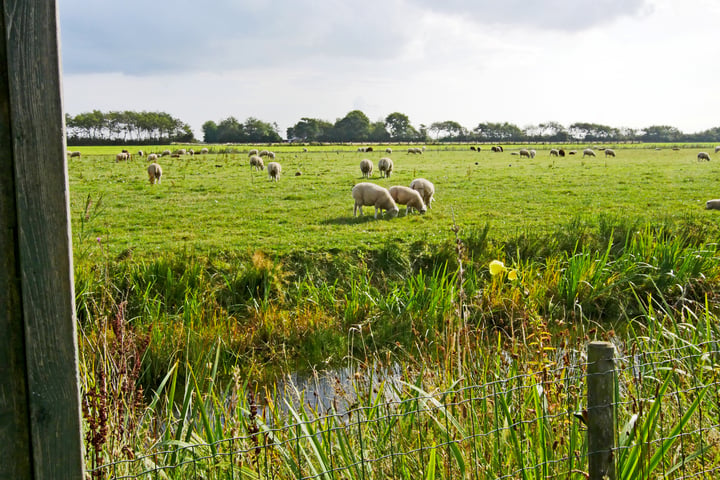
<point x="528" y="425"/>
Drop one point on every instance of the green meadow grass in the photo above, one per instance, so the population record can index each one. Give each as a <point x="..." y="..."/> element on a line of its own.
<point x="210" y="204"/>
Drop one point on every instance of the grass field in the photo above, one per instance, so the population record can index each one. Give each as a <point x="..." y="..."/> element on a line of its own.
<point x="215" y="203"/>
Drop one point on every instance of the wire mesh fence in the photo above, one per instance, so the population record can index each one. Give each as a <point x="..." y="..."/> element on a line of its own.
<point x="525" y="424"/>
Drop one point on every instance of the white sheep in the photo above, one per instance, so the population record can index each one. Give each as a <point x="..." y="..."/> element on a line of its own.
<point x="366" y="168"/>
<point x="408" y="197"/>
<point x="361" y="149"/>
<point x="416" y="150"/>
<point x="524" y="152"/>
<point x="122" y="156"/>
<point x="262" y="153"/>
<point x="154" y="173"/>
<point x="165" y="153"/>
<point x="713" y="204"/>
<point x="717" y="149"/>
<point x="589" y="152"/>
<point x="609" y="152"/>
<point x="554" y="152"/>
<point x="252" y="152"/>
<point x="388" y="150"/>
<point x="367" y="194"/>
<point x="181" y="151"/>
<point x="532" y="153"/>
<point x="191" y="152"/>
<point x="425" y="188"/>
<point x="152" y="157"/>
<point x="271" y="155"/>
<point x="385" y="165"/>
<point x="703" y="156"/>
<point x="204" y="151"/>
<point x="274" y="170"/>
<point x="257" y="162"/>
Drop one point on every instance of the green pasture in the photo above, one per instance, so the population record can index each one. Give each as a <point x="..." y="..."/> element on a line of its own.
<point x="215" y="203"/>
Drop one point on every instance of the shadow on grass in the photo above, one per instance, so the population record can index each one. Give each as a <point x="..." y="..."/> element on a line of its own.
<point x="350" y="220"/>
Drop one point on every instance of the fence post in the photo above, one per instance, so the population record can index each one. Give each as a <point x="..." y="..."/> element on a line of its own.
<point x="601" y="410"/>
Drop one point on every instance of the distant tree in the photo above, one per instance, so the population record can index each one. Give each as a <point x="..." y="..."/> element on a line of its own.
<point x="257" y="131"/>
<point x="449" y="131"/>
<point x="378" y="132"/>
<point x="354" y="127"/>
<point x="592" y="132"/>
<point x="398" y="126"/>
<point x="230" y="130"/>
<point x="661" y="133"/>
<point x="210" y="132"/>
<point x="310" y="130"/>
<point x="498" y="132"/>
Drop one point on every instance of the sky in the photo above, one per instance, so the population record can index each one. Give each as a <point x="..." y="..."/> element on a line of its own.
<point x="621" y="63"/>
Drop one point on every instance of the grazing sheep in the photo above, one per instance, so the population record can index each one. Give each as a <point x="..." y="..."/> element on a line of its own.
<point x="141" y="153"/>
<point x="175" y="155"/>
<point x="122" y="156"/>
<point x="609" y="152"/>
<point x="713" y="204"/>
<point x="257" y="162"/>
<point x="75" y="154"/>
<point x="554" y="152"/>
<point x="204" y="151"/>
<point x="271" y="155"/>
<point x="191" y="152"/>
<point x="181" y="151"/>
<point x="524" y="153"/>
<point x="165" y="153"/>
<point x="589" y="152"/>
<point x="533" y="153"/>
<point x="703" y="156"/>
<point x="252" y="152"/>
<point x="154" y="173"/>
<point x="263" y="153"/>
<point x="366" y="168"/>
<point x="415" y="150"/>
<point x="388" y="150"/>
<point x="366" y="194"/>
<point x="677" y="149"/>
<point x="305" y="150"/>
<point x="473" y="148"/>
<point x="369" y="149"/>
<point x="152" y="157"/>
<point x="496" y="148"/>
<point x="361" y="149"/>
<point x="561" y="152"/>
<point x="385" y="165"/>
<point x="717" y="149"/>
<point x="572" y="152"/>
<point x="274" y="170"/>
<point x="408" y="197"/>
<point x="426" y="190"/>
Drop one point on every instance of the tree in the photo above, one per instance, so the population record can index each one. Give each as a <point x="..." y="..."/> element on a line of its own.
<point x="398" y="126"/>
<point x="354" y="127"/>
<point x="452" y="131"/>
<point x="498" y="132"/>
<point x="661" y="133"/>
<point x="309" y="130"/>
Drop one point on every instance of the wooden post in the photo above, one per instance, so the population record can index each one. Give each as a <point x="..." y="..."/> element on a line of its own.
<point x="40" y="422"/>
<point x="601" y="410"/>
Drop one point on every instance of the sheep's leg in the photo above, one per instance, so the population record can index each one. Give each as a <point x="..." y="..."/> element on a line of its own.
<point x="376" y="212"/>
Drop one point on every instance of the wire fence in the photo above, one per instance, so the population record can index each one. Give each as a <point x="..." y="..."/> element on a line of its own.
<point x="530" y="424"/>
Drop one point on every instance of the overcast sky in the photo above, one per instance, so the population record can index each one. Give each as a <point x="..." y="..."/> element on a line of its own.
<point x="622" y="63"/>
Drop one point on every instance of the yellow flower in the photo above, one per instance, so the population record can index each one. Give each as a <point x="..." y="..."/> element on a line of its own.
<point x="496" y="266"/>
<point x="512" y="274"/>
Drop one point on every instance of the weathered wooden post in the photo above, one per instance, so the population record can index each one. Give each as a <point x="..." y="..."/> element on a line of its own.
<point x="601" y="410"/>
<point x="40" y="429"/>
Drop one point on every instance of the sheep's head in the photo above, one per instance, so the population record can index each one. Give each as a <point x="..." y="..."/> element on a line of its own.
<point x="392" y="212"/>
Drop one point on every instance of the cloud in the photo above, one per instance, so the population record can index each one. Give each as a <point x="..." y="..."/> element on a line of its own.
<point x="562" y="15"/>
<point x="140" y="38"/>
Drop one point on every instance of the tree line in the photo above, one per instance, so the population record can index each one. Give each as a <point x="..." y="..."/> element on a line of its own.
<point x="157" y="127"/>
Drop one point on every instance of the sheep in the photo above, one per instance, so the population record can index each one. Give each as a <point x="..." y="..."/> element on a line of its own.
<point x="271" y="155"/>
<point x="388" y="150"/>
<point x="361" y="149"/>
<point x="191" y="152"/>
<point x="366" y="194"/>
<point x="713" y="204"/>
<point x="75" y="154"/>
<point x="524" y="153"/>
<point x="366" y="168"/>
<point x="496" y="149"/>
<point x="717" y="149"/>
<point x="415" y="150"/>
<point x="175" y="155"/>
<point x="703" y="156"/>
<point x="252" y="152"/>
<point x="152" y="157"/>
<point x="385" y="165"/>
<point x="204" y="151"/>
<point x="572" y="152"/>
<point x="154" y="173"/>
<point x="181" y="151"/>
<point x="425" y="188"/>
<point x="141" y="153"/>
<point x="165" y="153"/>
<point x="274" y="170"/>
<point x="305" y="149"/>
<point x="257" y="162"/>
<point x="609" y="152"/>
<point x="121" y="156"/>
<point x="532" y="153"/>
<point x="561" y="152"/>
<point x="589" y="152"/>
<point x="473" y="148"/>
<point x="554" y="152"/>
<point x="262" y="153"/>
<point x="408" y="197"/>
